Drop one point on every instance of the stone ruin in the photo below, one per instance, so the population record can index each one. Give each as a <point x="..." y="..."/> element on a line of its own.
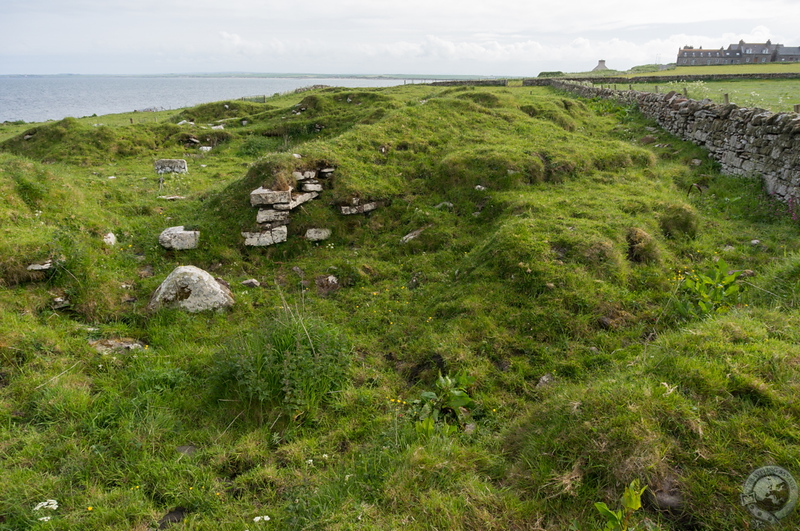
<point x="275" y="207"/>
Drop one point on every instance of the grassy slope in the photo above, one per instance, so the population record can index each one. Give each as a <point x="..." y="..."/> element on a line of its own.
<point x="532" y="276"/>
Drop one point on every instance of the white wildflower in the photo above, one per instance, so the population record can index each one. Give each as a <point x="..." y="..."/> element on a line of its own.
<point x="264" y="518"/>
<point x="48" y="504"/>
<point x="45" y="518"/>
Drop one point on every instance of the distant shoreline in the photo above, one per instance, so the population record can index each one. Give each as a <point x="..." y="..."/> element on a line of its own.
<point x="256" y="75"/>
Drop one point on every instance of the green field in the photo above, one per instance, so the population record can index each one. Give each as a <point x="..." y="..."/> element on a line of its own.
<point x="769" y="68"/>
<point x="542" y="310"/>
<point x="776" y="95"/>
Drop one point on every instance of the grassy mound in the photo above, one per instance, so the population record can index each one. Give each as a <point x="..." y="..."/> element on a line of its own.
<point x="536" y="315"/>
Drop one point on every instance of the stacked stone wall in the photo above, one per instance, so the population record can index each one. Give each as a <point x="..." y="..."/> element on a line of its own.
<point x="745" y="141"/>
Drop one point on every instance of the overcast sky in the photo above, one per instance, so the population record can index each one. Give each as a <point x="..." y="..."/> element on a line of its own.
<point x="483" y="37"/>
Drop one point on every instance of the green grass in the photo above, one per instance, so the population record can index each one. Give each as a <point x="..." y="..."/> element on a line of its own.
<point x="769" y="68"/>
<point x="566" y="261"/>
<point x="776" y="95"/>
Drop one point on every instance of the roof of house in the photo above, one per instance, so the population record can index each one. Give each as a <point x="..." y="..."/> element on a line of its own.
<point x="741" y="45"/>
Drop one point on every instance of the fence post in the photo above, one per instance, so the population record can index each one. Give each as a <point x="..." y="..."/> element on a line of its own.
<point x="685" y="93"/>
<point x="630" y="87"/>
<point x="656" y="89"/>
<point x="727" y="99"/>
<point x="797" y="108"/>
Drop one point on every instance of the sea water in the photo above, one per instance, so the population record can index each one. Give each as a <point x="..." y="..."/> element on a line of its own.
<point x="41" y="98"/>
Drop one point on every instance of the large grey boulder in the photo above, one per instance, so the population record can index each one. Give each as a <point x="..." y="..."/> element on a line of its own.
<point x="178" y="238"/>
<point x="192" y="289"/>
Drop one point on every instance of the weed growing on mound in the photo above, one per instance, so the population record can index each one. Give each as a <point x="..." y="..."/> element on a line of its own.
<point x="292" y="364"/>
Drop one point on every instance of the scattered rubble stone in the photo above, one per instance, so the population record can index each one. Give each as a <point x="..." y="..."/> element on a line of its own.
<point x="171" y="166"/>
<point x="179" y="239"/>
<point x="545" y="380"/>
<point x="360" y="209"/>
<point x="317" y="235"/>
<point x="326" y="284"/>
<point x="411" y="235"/>
<point x="116" y="345"/>
<point x="42" y="266"/>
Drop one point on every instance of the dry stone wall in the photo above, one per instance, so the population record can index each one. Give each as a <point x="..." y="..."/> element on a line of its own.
<point x="744" y="141"/>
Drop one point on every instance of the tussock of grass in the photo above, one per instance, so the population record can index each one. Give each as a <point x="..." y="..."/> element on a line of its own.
<point x="546" y="265"/>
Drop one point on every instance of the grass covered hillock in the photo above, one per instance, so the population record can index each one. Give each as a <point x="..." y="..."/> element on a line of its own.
<point x="542" y="310"/>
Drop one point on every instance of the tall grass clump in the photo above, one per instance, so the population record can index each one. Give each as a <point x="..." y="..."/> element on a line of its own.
<point x="293" y="364"/>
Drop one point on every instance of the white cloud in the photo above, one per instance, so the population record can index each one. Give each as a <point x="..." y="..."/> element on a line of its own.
<point x="514" y="37"/>
<point x="233" y="43"/>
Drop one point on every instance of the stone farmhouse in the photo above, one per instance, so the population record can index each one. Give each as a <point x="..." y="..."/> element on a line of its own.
<point x="741" y="53"/>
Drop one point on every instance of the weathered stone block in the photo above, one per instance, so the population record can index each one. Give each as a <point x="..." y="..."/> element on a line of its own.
<point x="265" y="196"/>
<point x="179" y="239"/>
<point x="171" y="166"/>
<point x="304" y="175"/>
<point x="360" y="209"/>
<point x="317" y="235"/>
<point x="296" y="201"/>
<point x="265" y="238"/>
<point x="311" y="186"/>
<point x="269" y="215"/>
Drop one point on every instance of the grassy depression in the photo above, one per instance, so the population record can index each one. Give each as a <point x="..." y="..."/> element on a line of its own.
<point x="507" y="342"/>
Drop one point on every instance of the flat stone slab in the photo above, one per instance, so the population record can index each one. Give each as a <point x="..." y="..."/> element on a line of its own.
<point x="297" y="200"/>
<point x="179" y="239"/>
<point x="265" y="238"/>
<point x="171" y="166"/>
<point x="360" y="209"/>
<point x="311" y="186"/>
<point x="43" y="266"/>
<point x="265" y="196"/>
<point x="269" y="215"/>
<point x="304" y="175"/>
<point x="121" y="344"/>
